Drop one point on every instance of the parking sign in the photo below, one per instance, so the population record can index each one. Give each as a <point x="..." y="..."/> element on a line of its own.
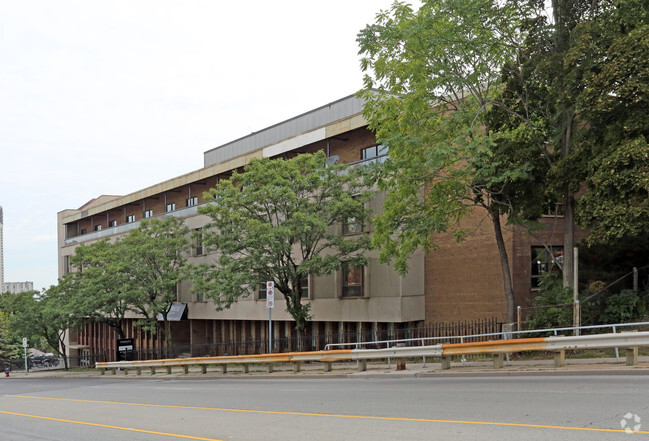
<point x="270" y="294"/>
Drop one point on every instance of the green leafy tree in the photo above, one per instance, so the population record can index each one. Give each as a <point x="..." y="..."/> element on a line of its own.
<point x="431" y="78"/>
<point x="153" y="261"/>
<point x="8" y="347"/>
<point x="102" y="288"/>
<point x="275" y="221"/>
<point x="47" y="316"/>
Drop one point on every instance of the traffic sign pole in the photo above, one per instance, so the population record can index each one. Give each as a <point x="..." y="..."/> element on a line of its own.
<point x="270" y="304"/>
<point x="25" y="348"/>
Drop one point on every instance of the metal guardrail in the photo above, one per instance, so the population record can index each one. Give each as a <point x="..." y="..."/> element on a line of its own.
<point x="556" y="344"/>
<point x="462" y="338"/>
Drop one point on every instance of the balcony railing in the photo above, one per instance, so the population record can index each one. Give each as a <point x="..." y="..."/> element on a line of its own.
<point x="107" y="232"/>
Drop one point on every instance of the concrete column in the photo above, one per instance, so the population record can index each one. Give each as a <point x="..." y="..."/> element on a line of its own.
<point x="168" y="369"/>
<point x="185" y="369"/>
<point x="446" y="363"/>
<point x="138" y="371"/>
<point x="270" y="367"/>
<point x="203" y="369"/>
<point x="224" y="368"/>
<point x="499" y="361"/>
<point x="632" y="356"/>
<point x="152" y="371"/>
<point x="328" y="366"/>
<point x="362" y="365"/>
<point x="297" y="366"/>
<point x="245" y="368"/>
<point x="560" y="358"/>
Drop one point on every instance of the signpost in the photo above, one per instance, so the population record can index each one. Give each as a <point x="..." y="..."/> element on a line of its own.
<point x="25" y="348"/>
<point x="270" y="304"/>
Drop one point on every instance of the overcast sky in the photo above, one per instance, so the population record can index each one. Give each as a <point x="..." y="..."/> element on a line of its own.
<point x="111" y="97"/>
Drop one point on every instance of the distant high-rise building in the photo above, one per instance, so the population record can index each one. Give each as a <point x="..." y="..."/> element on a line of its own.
<point x="2" y="259"/>
<point x="16" y="287"/>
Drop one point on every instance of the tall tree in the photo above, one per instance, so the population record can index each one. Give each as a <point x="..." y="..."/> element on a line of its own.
<point x="276" y="221"/>
<point x="103" y="291"/>
<point x="8" y="347"/>
<point x="431" y="78"/>
<point x="155" y="263"/>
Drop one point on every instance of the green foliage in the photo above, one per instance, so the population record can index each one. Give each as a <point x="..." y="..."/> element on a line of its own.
<point x="276" y="221"/>
<point x="553" y="304"/>
<point x="622" y="307"/>
<point x="8" y="347"/>
<point x="152" y="259"/>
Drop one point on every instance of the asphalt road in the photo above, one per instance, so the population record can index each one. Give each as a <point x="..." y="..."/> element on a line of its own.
<point x="355" y="409"/>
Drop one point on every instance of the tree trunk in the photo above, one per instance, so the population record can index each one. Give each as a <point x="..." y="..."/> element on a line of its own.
<point x="568" y="241"/>
<point x="504" y="265"/>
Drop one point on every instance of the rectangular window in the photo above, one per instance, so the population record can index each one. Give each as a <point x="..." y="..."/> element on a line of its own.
<point x="84" y="231"/>
<point x="304" y="287"/>
<point x="130" y="218"/>
<point x="66" y="264"/>
<point x="198" y="242"/>
<point x="261" y="291"/>
<point x="97" y="227"/>
<point x="192" y="201"/>
<point x="545" y="261"/>
<point x="148" y="213"/>
<point x="112" y="223"/>
<point x="352" y="281"/>
<point x="171" y="207"/>
<point x="375" y="151"/>
<point x="552" y="208"/>
<point x="352" y="226"/>
<point x="200" y="297"/>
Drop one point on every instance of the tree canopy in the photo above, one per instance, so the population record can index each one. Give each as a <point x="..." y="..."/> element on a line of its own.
<point x="279" y="220"/>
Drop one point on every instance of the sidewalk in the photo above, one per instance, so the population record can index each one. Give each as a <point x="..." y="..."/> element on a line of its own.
<point x="579" y="366"/>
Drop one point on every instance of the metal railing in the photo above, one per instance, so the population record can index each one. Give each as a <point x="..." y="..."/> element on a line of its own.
<point x="503" y="335"/>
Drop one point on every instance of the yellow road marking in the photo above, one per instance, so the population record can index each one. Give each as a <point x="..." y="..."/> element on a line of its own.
<point x="331" y="415"/>
<point x="130" y="429"/>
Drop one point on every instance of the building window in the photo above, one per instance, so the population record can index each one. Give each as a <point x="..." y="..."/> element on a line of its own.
<point x="192" y="201"/>
<point x="171" y="207"/>
<point x="66" y="264"/>
<point x="148" y="213"/>
<point x="200" y="297"/>
<point x="97" y="227"/>
<point x="261" y="291"/>
<point x="352" y="281"/>
<point x="376" y="151"/>
<point x="352" y="226"/>
<point x="112" y="223"/>
<point x="304" y="286"/>
<point x="84" y="231"/>
<point x="130" y="218"/>
<point x="545" y="260"/>
<point x="198" y="242"/>
<point x="552" y="208"/>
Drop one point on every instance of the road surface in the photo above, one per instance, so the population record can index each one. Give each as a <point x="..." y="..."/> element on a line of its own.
<point x="246" y="409"/>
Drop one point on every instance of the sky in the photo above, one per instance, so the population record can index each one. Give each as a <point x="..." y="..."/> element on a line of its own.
<point x="111" y="97"/>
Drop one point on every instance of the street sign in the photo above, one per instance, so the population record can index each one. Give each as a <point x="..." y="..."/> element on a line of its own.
<point x="270" y="294"/>
<point x="24" y="342"/>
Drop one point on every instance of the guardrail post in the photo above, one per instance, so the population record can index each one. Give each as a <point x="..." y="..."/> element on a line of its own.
<point x="297" y="366"/>
<point x="185" y="369"/>
<point x="203" y="369"/>
<point x="423" y="344"/>
<point x="617" y="350"/>
<point x="446" y="363"/>
<point x="328" y="366"/>
<point x="270" y="368"/>
<point x="168" y="369"/>
<point x="362" y="365"/>
<point x="224" y="368"/>
<point x="499" y="361"/>
<point x="152" y="370"/>
<point x="560" y="358"/>
<point x="632" y="356"/>
<point x="138" y="371"/>
<point x="103" y="371"/>
<point x="125" y="371"/>
<point x="245" y="368"/>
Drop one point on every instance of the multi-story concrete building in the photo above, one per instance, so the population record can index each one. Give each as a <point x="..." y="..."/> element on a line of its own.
<point x="456" y="282"/>
<point x="17" y="287"/>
